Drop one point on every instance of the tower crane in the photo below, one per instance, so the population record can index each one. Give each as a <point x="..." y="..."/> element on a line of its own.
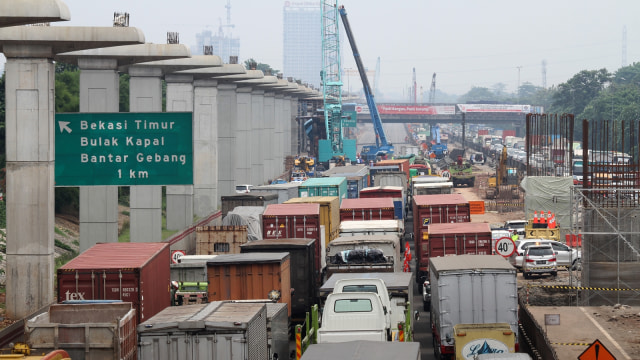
<point x="382" y="147"/>
<point x="335" y="145"/>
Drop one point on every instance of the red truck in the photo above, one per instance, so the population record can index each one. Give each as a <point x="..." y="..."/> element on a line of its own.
<point x="435" y="209"/>
<point x="301" y="221"/>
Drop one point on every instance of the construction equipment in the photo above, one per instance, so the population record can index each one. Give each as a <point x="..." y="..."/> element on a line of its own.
<point x="506" y="179"/>
<point x="382" y="148"/>
<point x="335" y="144"/>
<point x="460" y="169"/>
<point x="307" y="164"/>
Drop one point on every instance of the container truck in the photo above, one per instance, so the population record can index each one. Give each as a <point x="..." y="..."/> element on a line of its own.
<point x="133" y="272"/>
<point x="253" y="198"/>
<point x="367" y="209"/>
<point x="357" y="178"/>
<point x="300" y="221"/>
<point x="304" y="285"/>
<point x="470" y="289"/>
<point x="402" y="165"/>
<point x="329" y="213"/>
<point x="450" y="239"/>
<point x="250" y="276"/>
<point x="324" y="186"/>
<point x="285" y="191"/>
<point x="85" y="330"/>
<point x="435" y="209"/>
<point x="397" y="193"/>
<point x="364" y="253"/>
<point x="220" y="239"/>
<point x="220" y="330"/>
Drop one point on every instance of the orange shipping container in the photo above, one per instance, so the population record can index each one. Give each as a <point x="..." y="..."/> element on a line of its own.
<point x="329" y="213"/>
<point x="250" y="276"/>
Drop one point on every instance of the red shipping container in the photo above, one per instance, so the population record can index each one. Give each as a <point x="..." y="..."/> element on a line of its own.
<point x="403" y="165"/>
<point x="133" y="272"/>
<point x="483" y="132"/>
<point x="375" y="208"/>
<point x="302" y="221"/>
<point x="506" y="133"/>
<point x="435" y="209"/>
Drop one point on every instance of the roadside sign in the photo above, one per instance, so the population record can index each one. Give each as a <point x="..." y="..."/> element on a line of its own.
<point x="596" y="351"/>
<point x="505" y="246"/>
<point x="124" y="149"/>
<point x="176" y="255"/>
<point x="446" y="174"/>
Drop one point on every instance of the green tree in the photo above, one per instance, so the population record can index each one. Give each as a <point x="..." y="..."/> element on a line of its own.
<point x="124" y="93"/>
<point x="67" y="90"/>
<point x="265" y="68"/>
<point x="573" y="96"/>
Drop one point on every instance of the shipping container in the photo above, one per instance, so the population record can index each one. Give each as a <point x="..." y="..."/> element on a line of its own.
<point x="470" y="289"/>
<point x="372" y="227"/>
<point x="251" y="276"/>
<point x="253" y="198"/>
<point x="304" y="283"/>
<point x="285" y="191"/>
<point x="397" y="193"/>
<point x="471" y="340"/>
<point x="375" y="170"/>
<point x="324" y="186"/>
<point x="450" y="239"/>
<point x="133" y="272"/>
<point x="216" y="240"/>
<point x="436" y="209"/>
<point x="85" y="330"/>
<point x="302" y="221"/>
<point x="329" y="213"/>
<point x="374" y="208"/>
<point x="220" y="330"/>
<point x="402" y="164"/>
<point x="357" y="178"/>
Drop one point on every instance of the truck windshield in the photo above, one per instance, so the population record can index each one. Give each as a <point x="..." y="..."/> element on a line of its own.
<point x="353" y="305"/>
<point x="360" y="288"/>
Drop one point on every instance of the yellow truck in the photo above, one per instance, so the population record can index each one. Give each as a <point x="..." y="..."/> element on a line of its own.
<point x="472" y="340"/>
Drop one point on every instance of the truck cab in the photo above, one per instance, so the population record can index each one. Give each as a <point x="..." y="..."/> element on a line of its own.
<point x="353" y="316"/>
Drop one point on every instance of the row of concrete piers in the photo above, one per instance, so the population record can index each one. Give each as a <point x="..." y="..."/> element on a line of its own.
<point x="243" y="128"/>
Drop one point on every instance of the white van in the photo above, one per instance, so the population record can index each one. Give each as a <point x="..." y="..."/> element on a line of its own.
<point x="243" y="189"/>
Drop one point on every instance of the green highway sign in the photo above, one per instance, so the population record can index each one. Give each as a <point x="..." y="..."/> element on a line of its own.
<point x="124" y="149"/>
<point x="349" y="118"/>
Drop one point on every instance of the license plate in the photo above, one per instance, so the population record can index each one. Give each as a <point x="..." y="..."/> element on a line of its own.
<point x="541" y="262"/>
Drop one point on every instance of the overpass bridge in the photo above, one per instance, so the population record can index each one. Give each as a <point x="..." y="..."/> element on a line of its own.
<point x="490" y="114"/>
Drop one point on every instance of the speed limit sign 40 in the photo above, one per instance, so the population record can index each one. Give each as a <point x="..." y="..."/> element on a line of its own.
<point x="505" y="246"/>
<point x="176" y="255"/>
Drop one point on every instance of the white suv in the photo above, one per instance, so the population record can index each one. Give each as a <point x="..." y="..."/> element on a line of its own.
<point x="566" y="256"/>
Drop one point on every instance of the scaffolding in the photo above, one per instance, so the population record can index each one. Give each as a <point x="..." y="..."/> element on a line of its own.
<point x="605" y="212"/>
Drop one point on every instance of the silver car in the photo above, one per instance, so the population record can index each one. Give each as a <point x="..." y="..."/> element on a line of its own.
<point x="539" y="259"/>
<point x="565" y="256"/>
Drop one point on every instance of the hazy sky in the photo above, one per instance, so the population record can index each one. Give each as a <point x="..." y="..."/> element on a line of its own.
<point x="465" y="42"/>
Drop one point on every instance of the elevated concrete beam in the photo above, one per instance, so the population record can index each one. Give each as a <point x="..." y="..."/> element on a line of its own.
<point x="128" y="54"/>
<point x="214" y="72"/>
<point x="50" y="40"/>
<point x="23" y="12"/>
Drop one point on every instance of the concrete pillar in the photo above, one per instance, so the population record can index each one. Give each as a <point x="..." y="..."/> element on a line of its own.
<point x="257" y="139"/>
<point x="179" y="197"/>
<point x="227" y="118"/>
<point x="279" y="143"/>
<point x="205" y="147"/>
<point x="245" y="150"/>
<point x="286" y="131"/>
<point x="268" y="135"/>
<point x="293" y="111"/>
<point x="30" y="174"/>
<point x="145" y="95"/>
<point x="99" y="92"/>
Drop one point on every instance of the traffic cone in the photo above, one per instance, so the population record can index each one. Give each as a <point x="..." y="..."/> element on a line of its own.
<point x="552" y="221"/>
<point x="536" y="220"/>
<point x="548" y="218"/>
<point x="543" y="220"/>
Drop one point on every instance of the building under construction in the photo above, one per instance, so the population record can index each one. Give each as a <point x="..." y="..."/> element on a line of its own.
<point x="593" y="186"/>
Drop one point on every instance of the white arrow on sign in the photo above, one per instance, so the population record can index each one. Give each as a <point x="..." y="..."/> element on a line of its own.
<point x="63" y="126"/>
